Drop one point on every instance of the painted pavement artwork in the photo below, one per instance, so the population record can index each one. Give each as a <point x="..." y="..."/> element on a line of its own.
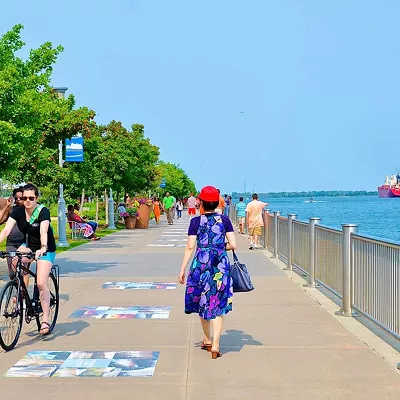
<point x="139" y="285"/>
<point x="71" y="364"/>
<point x="107" y="312"/>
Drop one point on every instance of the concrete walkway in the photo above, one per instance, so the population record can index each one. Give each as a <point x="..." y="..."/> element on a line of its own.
<point x="278" y="343"/>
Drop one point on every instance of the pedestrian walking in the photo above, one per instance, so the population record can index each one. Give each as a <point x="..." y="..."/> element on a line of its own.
<point x="168" y="205"/>
<point x="221" y="204"/>
<point x="179" y="208"/>
<point x="157" y="209"/>
<point x="241" y="214"/>
<point x="191" y="204"/>
<point x="254" y="220"/>
<point x="209" y="287"/>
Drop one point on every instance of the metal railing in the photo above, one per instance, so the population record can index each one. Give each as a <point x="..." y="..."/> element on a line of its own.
<point x="364" y="272"/>
<point x="376" y="281"/>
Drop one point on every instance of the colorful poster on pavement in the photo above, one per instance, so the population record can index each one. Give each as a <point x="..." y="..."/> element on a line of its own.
<point x="107" y="312"/>
<point x="139" y="285"/>
<point x="71" y="364"/>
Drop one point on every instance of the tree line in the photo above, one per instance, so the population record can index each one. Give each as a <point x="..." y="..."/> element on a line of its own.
<point x="33" y="119"/>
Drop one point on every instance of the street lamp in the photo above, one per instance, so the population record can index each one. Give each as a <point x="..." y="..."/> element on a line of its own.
<point x="62" y="219"/>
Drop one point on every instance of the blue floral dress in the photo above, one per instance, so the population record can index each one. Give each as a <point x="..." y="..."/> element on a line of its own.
<point x="209" y="287"/>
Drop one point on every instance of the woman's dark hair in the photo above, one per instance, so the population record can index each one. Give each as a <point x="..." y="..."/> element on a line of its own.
<point x="70" y="208"/>
<point x="210" y="205"/>
<point x="18" y="189"/>
<point x="240" y="198"/>
<point x="31" y="186"/>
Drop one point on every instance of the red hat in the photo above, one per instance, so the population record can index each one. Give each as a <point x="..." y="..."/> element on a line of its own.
<point x="209" y="193"/>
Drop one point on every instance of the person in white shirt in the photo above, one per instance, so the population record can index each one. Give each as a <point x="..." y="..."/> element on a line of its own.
<point x="191" y="204"/>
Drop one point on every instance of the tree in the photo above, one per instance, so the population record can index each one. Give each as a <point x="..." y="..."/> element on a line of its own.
<point x="32" y="117"/>
<point x="177" y="181"/>
<point x="114" y="158"/>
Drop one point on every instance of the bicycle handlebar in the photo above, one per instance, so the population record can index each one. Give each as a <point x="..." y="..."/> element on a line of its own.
<point x="19" y="254"/>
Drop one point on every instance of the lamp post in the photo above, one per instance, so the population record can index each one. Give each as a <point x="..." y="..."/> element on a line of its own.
<point x="111" y="224"/>
<point x="62" y="219"/>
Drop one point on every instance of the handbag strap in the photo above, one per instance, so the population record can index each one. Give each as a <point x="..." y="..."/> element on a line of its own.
<point x="235" y="257"/>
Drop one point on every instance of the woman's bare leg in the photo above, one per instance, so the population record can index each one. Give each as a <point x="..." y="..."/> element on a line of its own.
<point x="217" y="331"/>
<point x="207" y="330"/>
<point x="43" y="272"/>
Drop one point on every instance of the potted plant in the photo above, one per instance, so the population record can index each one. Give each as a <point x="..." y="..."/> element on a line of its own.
<point x="145" y="208"/>
<point x="130" y="217"/>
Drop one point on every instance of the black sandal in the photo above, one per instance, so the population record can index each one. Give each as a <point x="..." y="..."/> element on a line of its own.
<point x="41" y="328"/>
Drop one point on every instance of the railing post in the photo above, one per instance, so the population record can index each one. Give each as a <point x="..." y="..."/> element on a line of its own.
<point x="291" y="217"/>
<point x="265" y="231"/>
<point x="311" y="275"/>
<point x="347" y="230"/>
<point x="276" y="215"/>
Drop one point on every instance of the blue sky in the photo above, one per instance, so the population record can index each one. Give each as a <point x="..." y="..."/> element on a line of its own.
<point x="285" y="95"/>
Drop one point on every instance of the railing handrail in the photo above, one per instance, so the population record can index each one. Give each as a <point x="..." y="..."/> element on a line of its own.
<point x="328" y="229"/>
<point x="372" y="239"/>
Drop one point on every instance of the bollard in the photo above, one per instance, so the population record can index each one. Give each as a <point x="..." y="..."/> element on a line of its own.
<point x="291" y="217"/>
<point x="265" y="231"/>
<point x="311" y="274"/>
<point x="276" y="215"/>
<point x="111" y="224"/>
<point x="347" y="230"/>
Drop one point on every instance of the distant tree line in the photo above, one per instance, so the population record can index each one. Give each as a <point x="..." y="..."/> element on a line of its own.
<point x="320" y="193"/>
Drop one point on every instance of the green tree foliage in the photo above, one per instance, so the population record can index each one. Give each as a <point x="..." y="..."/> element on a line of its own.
<point x="177" y="181"/>
<point x="32" y="117"/>
<point x="114" y="158"/>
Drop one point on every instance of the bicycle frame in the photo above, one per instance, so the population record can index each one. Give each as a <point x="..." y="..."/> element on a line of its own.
<point x="31" y="311"/>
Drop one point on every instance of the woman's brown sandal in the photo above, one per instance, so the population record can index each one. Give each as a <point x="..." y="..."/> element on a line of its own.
<point x="215" y="354"/>
<point x="206" y="346"/>
<point x="45" y="328"/>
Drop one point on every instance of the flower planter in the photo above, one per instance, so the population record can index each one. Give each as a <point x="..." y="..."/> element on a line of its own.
<point x="144" y="216"/>
<point x="130" y="222"/>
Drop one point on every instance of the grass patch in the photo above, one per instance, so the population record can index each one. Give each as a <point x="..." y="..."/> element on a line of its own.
<point x="100" y="232"/>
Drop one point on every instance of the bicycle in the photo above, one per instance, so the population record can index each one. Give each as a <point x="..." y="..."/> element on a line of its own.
<point x="12" y="301"/>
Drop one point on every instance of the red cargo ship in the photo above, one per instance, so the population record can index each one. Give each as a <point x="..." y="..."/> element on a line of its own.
<point x="391" y="187"/>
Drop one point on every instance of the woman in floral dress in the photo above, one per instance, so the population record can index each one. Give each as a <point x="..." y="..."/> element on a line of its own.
<point x="209" y="284"/>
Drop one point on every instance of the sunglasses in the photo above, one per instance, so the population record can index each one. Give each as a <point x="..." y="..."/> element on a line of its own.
<point x="17" y="198"/>
<point x="30" y="198"/>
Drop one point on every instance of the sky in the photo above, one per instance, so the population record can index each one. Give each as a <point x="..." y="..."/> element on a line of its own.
<point x="264" y="95"/>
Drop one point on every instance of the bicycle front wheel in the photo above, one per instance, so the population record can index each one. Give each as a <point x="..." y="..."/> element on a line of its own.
<point x="54" y="305"/>
<point x="11" y="315"/>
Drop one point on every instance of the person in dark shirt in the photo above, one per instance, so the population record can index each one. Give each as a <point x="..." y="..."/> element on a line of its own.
<point x="33" y="220"/>
<point x="16" y="238"/>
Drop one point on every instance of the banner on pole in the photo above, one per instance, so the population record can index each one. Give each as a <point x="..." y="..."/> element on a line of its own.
<point x="74" y="149"/>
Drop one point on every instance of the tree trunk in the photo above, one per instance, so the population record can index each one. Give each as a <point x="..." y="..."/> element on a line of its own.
<point x="82" y="200"/>
<point x="97" y="208"/>
<point x="106" y="205"/>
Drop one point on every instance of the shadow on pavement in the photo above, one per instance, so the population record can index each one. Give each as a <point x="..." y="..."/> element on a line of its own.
<point x="73" y="328"/>
<point x="234" y="340"/>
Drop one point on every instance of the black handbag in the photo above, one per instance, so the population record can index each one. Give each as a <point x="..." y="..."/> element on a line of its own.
<point x="240" y="276"/>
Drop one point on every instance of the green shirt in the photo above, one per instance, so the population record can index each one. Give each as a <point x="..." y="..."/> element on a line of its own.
<point x="168" y="201"/>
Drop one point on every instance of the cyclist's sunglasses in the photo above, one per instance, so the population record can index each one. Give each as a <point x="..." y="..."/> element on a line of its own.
<point x="30" y="198"/>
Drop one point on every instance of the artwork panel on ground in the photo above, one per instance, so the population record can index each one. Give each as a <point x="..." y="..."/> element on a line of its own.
<point x="107" y="312"/>
<point x="139" y="285"/>
<point x="70" y="364"/>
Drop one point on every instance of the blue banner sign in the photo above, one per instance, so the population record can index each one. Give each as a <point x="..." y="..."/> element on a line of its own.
<point x="74" y="149"/>
<point x="163" y="183"/>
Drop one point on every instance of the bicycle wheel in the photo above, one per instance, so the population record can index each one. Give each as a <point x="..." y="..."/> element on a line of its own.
<point x="11" y="315"/>
<point x="54" y="305"/>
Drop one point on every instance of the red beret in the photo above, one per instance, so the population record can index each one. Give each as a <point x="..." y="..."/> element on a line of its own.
<point x="209" y="193"/>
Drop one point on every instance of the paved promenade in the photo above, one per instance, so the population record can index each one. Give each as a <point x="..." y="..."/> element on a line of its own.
<point x="278" y="343"/>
